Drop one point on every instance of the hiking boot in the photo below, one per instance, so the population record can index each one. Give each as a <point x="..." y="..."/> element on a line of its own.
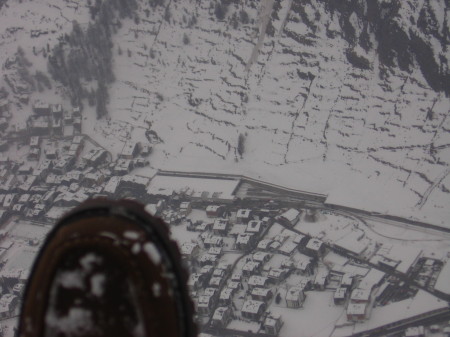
<point x="108" y="268"/>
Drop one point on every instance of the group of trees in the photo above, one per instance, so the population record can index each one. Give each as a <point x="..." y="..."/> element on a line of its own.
<point x="86" y="55"/>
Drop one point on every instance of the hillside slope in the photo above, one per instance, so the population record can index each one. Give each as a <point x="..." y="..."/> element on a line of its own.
<point x="347" y="99"/>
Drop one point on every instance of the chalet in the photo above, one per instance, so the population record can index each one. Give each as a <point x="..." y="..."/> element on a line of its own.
<point x="236" y="230"/>
<point x="211" y="292"/>
<point x="206" y="259"/>
<point x="254" y="227"/>
<point x="215" y="251"/>
<point x="57" y="126"/>
<point x="56" y="110"/>
<point x="205" y="304"/>
<point x="8" y="304"/>
<point x="34" y="154"/>
<point x="339" y="296"/>
<point x="75" y="150"/>
<point x="76" y="111"/>
<point x="243" y="216"/>
<point x="112" y="186"/>
<point x="236" y="277"/>
<point x="272" y="324"/>
<point x="218" y="272"/>
<point x="51" y="152"/>
<point x="25" y="169"/>
<point x="288" y="248"/>
<point x="321" y="280"/>
<point x="304" y="265"/>
<point x="9" y="200"/>
<point x="63" y="165"/>
<point x="40" y="108"/>
<point x="277" y="274"/>
<point x="39" y="125"/>
<point x="185" y="208"/>
<point x="301" y="241"/>
<point x="315" y="248"/>
<point x="189" y="250"/>
<point x="235" y="285"/>
<point x="213" y="241"/>
<point x="356" y="312"/>
<point x="95" y="156"/>
<point x="360" y="295"/>
<point x="214" y="211"/>
<point x="253" y="310"/>
<point x="290" y="217"/>
<point x="261" y="294"/>
<point x="68" y="117"/>
<point x="251" y="267"/>
<point x="221" y="226"/>
<point x="261" y="257"/>
<point x="195" y="281"/>
<point x="226" y="296"/>
<point x="256" y="281"/>
<point x="264" y="244"/>
<point x="122" y="167"/>
<point x="93" y="178"/>
<point x="347" y="281"/>
<point x="245" y="241"/>
<point x="216" y="281"/>
<point x="35" y="141"/>
<point x="221" y="317"/>
<point x="130" y="150"/>
<point x="295" y="297"/>
<point x="207" y="270"/>
<point x="146" y="149"/>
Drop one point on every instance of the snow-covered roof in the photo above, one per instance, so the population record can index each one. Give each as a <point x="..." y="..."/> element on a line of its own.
<point x="291" y="215"/>
<point x="443" y="280"/>
<point x="257" y="281"/>
<point x="314" y="244"/>
<point x="356" y="308"/>
<point x="251" y="306"/>
<point x="294" y="293"/>
<point x="188" y="247"/>
<point x="219" y="313"/>
<point x="243" y="213"/>
<point x="361" y="294"/>
<point x="167" y="185"/>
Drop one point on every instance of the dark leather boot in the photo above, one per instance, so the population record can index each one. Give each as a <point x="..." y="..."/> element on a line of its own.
<point x="108" y="269"/>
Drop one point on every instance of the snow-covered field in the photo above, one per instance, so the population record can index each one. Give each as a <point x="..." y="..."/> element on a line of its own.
<point x="310" y="119"/>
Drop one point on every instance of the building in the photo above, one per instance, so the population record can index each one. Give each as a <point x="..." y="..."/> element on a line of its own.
<point x="253" y="310"/>
<point x="245" y="241"/>
<point x="356" y="312"/>
<point x="290" y="217"/>
<point x="41" y="108"/>
<point x="339" y="296"/>
<point x="315" y="248"/>
<point x="8" y="304"/>
<point x="261" y="294"/>
<point x="185" y="208"/>
<point x="204" y="304"/>
<point x="214" y="211"/>
<point x="272" y="324"/>
<point x="243" y="216"/>
<point x="225" y="296"/>
<point x="295" y="297"/>
<point x="221" y="317"/>
<point x="255" y="227"/>
<point x="221" y="226"/>
<point x="251" y="267"/>
<point x="130" y="150"/>
<point x="360" y="295"/>
<point x="256" y="281"/>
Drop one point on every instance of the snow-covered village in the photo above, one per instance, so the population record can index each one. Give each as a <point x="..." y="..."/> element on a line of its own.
<point x="300" y="161"/>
